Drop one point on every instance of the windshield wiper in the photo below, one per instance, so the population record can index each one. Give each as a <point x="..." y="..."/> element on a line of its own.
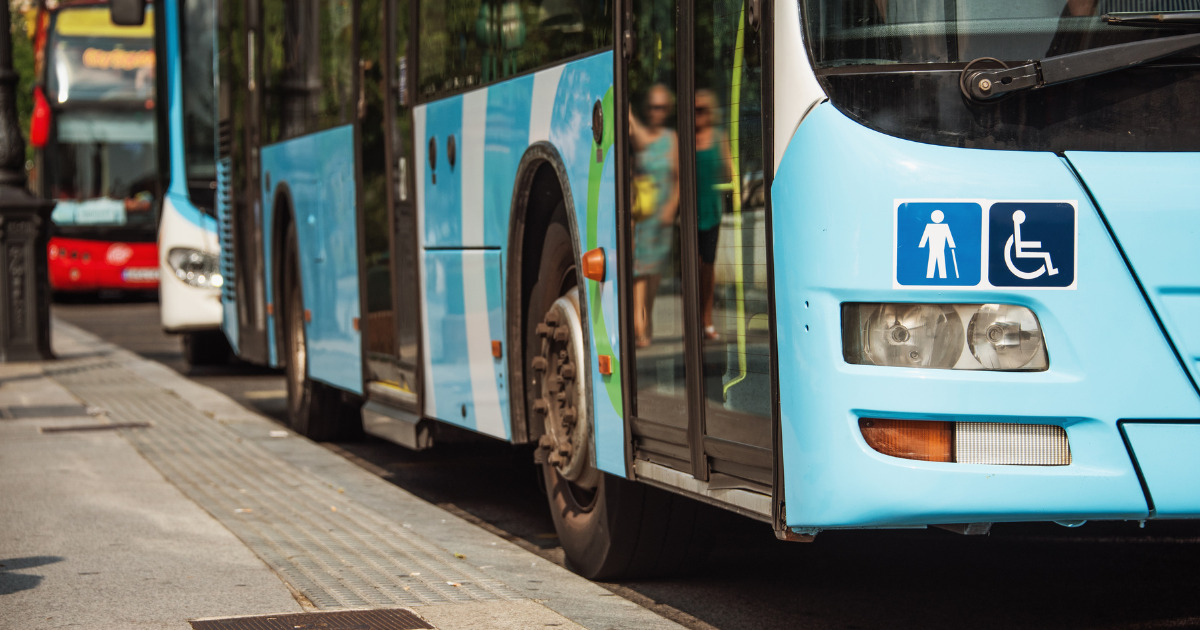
<point x="1145" y="18"/>
<point x="990" y="84"/>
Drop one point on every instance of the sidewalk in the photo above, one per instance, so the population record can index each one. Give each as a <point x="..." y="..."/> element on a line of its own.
<point x="131" y="497"/>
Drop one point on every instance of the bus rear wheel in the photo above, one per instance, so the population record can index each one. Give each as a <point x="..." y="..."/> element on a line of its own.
<point x="314" y="409"/>
<point x="609" y="527"/>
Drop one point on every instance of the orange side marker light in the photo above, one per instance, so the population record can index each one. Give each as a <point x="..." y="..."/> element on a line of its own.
<point x="593" y="264"/>
<point x="497" y="349"/>
<point x="605" y="365"/>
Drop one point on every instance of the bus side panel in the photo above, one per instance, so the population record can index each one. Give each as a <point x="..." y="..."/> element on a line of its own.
<point x="440" y="160"/>
<point x="465" y="314"/>
<point x="832" y="477"/>
<point x="323" y="208"/>
<point x="509" y="105"/>
<point x="591" y="172"/>
<point x="464" y="213"/>
<point x="463" y="307"/>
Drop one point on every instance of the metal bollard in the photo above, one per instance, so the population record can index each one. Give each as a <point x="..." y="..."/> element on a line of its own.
<point x="24" y="231"/>
<point x="24" y="279"/>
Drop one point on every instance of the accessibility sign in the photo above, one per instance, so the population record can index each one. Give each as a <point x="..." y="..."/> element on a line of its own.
<point x="1031" y="244"/>
<point x="981" y="244"/>
<point x="938" y="243"/>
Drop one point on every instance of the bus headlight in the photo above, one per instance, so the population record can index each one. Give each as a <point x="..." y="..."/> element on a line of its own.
<point x="943" y="336"/>
<point x="196" y="268"/>
<point x="1004" y="337"/>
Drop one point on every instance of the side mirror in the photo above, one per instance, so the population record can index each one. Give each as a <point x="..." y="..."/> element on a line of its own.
<point x="128" y="12"/>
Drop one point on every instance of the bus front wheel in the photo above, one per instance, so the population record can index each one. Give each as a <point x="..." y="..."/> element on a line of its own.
<point x="609" y="527"/>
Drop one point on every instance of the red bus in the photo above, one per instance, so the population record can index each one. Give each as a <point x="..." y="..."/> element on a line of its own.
<point x="93" y="132"/>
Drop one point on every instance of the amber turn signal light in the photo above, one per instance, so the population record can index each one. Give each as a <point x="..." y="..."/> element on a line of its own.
<point x="593" y="264"/>
<point x="910" y="439"/>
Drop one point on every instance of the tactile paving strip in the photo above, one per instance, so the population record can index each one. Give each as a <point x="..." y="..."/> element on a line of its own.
<point x="336" y="553"/>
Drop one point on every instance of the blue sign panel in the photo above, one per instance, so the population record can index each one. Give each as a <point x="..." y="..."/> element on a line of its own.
<point x="1031" y="244"/>
<point x="938" y="243"/>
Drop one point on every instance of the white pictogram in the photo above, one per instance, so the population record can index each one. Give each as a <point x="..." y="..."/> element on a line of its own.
<point x="1022" y="249"/>
<point x="937" y="236"/>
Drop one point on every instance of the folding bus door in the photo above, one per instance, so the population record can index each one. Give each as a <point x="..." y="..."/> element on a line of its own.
<point x="696" y="248"/>
<point x="387" y="206"/>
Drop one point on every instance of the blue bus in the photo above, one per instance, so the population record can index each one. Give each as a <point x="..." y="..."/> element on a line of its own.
<point x="828" y="264"/>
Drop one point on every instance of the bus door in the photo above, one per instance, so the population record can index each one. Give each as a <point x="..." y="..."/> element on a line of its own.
<point x="388" y="209"/>
<point x="696" y="244"/>
<point x="239" y="137"/>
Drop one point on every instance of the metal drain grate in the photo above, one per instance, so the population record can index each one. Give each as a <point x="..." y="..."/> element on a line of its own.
<point x="80" y="428"/>
<point x="335" y="552"/>
<point x="43" y="411"/>
<point x="387" y="619"/>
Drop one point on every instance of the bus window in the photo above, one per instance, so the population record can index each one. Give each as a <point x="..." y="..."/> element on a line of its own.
<point x="731" y="225"/>
<point x="199" y="102"/>
<point x="104" y="174"/>
<point x="657" y="291"/>
<point x="883" y="63"/>
<point x="90" y="59"/>
<point x="468" y="43"/>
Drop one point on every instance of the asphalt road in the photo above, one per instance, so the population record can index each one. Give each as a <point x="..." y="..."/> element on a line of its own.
<point x="1101" y="575"/>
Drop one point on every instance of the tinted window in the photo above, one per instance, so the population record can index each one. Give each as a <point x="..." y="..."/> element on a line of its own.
<point x="894" y="65"/>
<point x="104" y="173"/>
<point x="465" y="43"/>
<point x="337" y="98"/>
<point x="197" y="33"/>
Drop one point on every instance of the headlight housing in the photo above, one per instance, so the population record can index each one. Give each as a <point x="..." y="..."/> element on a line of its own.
<point x="1000" y="337"/>
<point x="196" y="268"/>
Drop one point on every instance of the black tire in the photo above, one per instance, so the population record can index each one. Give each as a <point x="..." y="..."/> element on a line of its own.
<point x="315" y="410"/>
<point x="609" y="528"/>
<point x="205" y="348"/>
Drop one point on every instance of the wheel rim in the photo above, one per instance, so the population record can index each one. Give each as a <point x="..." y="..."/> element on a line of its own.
<point x="562" y="400"/>
<point x="298" y="359"/>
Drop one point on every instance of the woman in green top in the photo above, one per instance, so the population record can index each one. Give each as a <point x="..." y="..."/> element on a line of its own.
<point x="712" y="170"/>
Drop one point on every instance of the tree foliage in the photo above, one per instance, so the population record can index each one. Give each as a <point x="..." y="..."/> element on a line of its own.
<point x="24" y="67"/>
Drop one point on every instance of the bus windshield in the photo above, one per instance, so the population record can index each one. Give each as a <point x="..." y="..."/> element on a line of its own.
<point x="877" y="32"/>
<point x="104" y="175"/>
<point x="894" y="65"/>
<point x="89" y="59"/>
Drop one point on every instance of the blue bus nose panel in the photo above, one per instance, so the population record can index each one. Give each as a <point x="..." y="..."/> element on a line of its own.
<point x="1152" y="203"/>
<point x="1166" y="456"/>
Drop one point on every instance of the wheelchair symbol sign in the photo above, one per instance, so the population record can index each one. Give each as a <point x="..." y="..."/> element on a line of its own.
<point x="1032" y="244"/>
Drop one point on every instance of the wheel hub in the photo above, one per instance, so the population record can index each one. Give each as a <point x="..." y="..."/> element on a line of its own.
<point x="561" y="401"/>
